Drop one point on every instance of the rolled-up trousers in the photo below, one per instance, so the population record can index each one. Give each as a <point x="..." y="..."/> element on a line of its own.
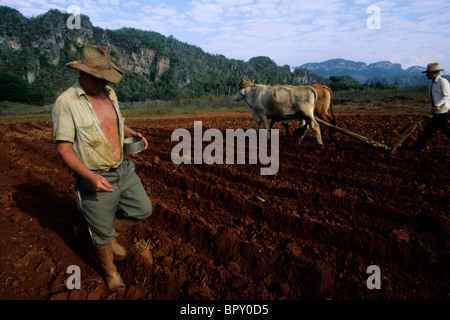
<point x="100" y="208"/>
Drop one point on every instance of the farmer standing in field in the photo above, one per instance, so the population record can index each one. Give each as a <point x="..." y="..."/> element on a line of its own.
<point x="89" y="131"/>
<point x="439" y="93"/>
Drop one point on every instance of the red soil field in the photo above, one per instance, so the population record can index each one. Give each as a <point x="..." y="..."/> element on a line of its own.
<point x="227" y="232"/>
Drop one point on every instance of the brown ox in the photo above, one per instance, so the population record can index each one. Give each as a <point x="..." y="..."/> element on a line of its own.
<point x="324" y="105"/>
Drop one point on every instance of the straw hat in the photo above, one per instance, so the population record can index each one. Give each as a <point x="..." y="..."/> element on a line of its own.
<point x="433" y="67"/>
<point x="96" y="62"/>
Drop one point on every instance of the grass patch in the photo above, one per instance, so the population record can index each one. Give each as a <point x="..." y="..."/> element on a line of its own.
<point x="183" y="106"/>
<point x="16" y="111"/>
<point x="413" y="99"/>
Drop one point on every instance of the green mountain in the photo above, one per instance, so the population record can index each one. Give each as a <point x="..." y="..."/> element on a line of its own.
<point x="156" y="67"/>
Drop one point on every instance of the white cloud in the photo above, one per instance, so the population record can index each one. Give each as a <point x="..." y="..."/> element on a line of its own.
<point x="106" y="3"/>
<point x="206" y="12"/>
<point x="131" y="4"/>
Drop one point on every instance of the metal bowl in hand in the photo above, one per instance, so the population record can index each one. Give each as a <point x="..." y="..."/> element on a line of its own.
<point x="133" y="145"/>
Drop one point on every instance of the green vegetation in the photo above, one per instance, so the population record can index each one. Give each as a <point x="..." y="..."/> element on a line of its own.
<point x="412" y="99"/>
<point x="342" y="83"/>
<point x="15" y="89"/>
<point x="134" y="87"/>
<point x="16" y="111"/>
<point x="184" y="106"/>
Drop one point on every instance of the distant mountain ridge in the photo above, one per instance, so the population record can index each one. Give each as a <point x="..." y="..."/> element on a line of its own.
<point x="336" y="67"/>
<point x="383" y="71"/>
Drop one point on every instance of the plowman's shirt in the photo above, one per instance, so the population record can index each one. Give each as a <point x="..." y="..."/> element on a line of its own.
<point x="75" y="121"/>
<point x="440" y="94"/>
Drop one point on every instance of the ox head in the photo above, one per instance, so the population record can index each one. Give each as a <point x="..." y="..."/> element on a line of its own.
<point x="242" y="89"/>
<point x="245" y="84"/>
<point x="240" y="95"/>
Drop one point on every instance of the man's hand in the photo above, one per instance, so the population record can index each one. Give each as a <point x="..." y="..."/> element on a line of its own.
<point x="138" y="134"/>
<point x="131" y="133"/>
<point x="100" y="184"/>
<point x="436" y="110"/>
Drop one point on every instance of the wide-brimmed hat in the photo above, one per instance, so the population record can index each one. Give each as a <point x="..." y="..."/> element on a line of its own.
<point x="96" y="62"/>
<point x="433" y="67"/>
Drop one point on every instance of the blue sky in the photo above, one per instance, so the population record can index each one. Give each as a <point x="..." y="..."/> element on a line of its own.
<point x="292" y="32"/>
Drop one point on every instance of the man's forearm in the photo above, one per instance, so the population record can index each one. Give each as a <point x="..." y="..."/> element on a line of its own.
<point x="65" y="151"/>
<point x="128" y="132"/>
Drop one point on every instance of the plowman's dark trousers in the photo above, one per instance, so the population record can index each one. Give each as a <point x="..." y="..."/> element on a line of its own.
<point x="439" y="121"/>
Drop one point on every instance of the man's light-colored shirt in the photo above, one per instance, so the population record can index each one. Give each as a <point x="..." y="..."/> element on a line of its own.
<point x="440" y="94"/>
<point x="75" y="121"/>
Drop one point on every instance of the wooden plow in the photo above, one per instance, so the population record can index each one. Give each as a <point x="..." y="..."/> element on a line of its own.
<point x="377" y="145"/>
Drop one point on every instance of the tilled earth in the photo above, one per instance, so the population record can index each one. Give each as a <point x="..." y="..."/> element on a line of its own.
<point x="226" y="231"/>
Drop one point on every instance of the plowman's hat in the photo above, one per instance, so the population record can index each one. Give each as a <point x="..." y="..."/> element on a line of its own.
<point x="96" y="62"/>
<point x="433" y="67"/>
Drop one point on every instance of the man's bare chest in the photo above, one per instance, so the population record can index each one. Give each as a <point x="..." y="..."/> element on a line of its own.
<point x="105" y="112"/>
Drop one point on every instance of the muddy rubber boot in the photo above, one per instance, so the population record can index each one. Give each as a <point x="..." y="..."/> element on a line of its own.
<point x="120" y="253"/>
<point x="113" y="279"/>
<point x="123" y="224"/>
<point x="120" y="225"/>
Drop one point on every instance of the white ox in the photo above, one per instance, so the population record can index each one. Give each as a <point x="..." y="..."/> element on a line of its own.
<point x="281" y="103"/>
